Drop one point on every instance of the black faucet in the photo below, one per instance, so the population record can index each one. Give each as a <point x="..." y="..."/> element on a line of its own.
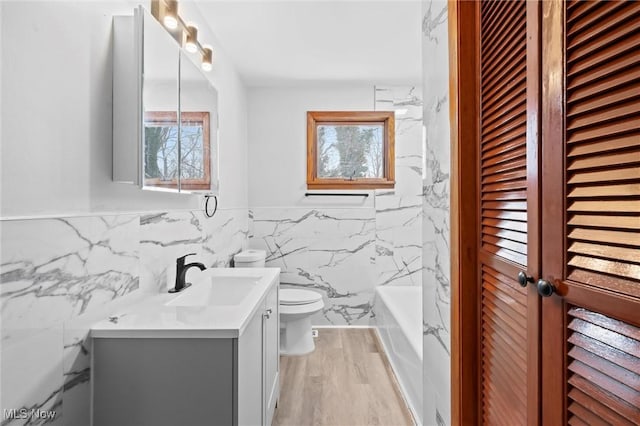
<point x="181" y="272"/>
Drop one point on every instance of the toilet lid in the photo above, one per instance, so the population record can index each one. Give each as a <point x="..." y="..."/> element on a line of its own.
<point x="291" y="296"/>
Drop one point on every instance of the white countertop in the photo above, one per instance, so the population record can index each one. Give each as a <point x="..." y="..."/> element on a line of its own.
<point x="154" y="318"/>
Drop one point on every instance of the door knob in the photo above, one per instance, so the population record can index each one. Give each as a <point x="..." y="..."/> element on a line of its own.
<point x="524" y="279"/>
<point x="545" y="288"/>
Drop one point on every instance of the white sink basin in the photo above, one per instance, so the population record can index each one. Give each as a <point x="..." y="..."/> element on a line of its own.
<point x="219" y="304"/>
<point x="218" y="291"/>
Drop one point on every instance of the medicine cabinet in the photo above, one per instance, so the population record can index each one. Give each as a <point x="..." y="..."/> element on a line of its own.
<point x="165" y="111"/>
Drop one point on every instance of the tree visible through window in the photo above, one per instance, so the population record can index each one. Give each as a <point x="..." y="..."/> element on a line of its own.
<point x="350" y="150"/>
<point x="161" y="132"/>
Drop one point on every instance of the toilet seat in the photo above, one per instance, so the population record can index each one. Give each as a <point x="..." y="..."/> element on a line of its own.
<point x="297" y="297"/>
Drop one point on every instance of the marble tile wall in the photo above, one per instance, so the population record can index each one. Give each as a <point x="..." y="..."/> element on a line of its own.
<point x="346" y="252"/>
<point x="435" y="203"/>
<point x="59" y="275"/>
<point x="399" y="212"/>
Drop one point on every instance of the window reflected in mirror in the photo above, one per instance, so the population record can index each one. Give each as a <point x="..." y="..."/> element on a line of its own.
<point x="161" y="134"/>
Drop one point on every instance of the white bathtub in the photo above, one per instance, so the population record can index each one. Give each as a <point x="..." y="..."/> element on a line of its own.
<point x="399" y="325"/>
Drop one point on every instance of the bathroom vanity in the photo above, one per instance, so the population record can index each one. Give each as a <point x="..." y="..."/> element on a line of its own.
<point x="208" y="355"/>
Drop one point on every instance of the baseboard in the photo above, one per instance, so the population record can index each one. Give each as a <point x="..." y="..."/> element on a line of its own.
<point x="343" y="326"/>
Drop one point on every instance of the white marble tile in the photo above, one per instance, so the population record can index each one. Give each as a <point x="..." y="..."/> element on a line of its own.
<point x="329" y="250"/>
<point x="436" y="194"/>
<point x="163" y="238"/>
<point x="225" y="234"/>
<point x="312" y="223"/>
<point x="55" y="269"/>
<point x="32" y="377"/>
<point x="398" y="239"/>
<point x="406" y="101"/>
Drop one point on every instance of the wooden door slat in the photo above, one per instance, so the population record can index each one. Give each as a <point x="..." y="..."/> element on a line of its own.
<point x="505" y="157"/>
<point x="507" y="281"/>
<point x="505" y="205"/>
<point x="605" y="236"/>
<point x="585" y="58"/>
<point x="620" y="269"/>
<point x="617" y="158"/>
<point x="516" y="365"/>
<point x="599" y="101"/>
<point x="577" y="22"/>
<point x="507" y="235"/>
<point x="620" y="71"/>
<point x="595" y="406"/>
<point x="620" y="18"/>
<point x="615" y="253"/>
<point x="605" y="351"/>
<point x="605" y="382"/>
<point x="500" y="296"/>
<point x="619" y="190"/>
<point x="505" y="167"/>
<point x="506" y="224"/>
<point x="606" y="322"/>
<point x="507" y="254"/>
<point x="624" y="173"/>
<point x="604" y="130"/>
<point x="630" y="206"/>
<point x="596" y="221"/>
<point x="494" y="313"/>
<point x="505" y="176"/>
<point x="580" y="8"/>
<point x="504" y="338"/>
<point x="511" y="245"/>
<point x="504" y="196"/>
<point x="499" y="375"/>
<point x="512" y="289"/>
<point x="505" y="214"/>
<point x="621" y="407"/>
<point x="608" y="337"/>
<point x="605" y="115"/>
<point x="504" y="124"/>
<point x="614" y="371"/>
<point x="590" y="418"/>
<point x="505" y="186"/>
<point x="505" y="142"/>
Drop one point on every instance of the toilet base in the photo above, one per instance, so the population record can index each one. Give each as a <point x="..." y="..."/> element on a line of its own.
<point x="296" y="337"/>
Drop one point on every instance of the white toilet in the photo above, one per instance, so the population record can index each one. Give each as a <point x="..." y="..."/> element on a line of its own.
<point x="296" y="307"/>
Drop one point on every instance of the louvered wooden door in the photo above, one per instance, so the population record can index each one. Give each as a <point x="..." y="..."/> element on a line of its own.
<point x="591" y="213"/>
<point x="508" y="212"/>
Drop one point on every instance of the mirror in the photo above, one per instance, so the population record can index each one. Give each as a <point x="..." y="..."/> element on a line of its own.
<point x="165" y="111"/>
<point x="198" y="129"/>
<point x="160" y="85"/>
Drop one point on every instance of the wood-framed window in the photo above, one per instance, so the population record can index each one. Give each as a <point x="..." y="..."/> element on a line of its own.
<point x="350" y="149"/>
<point x="161" y="150"/>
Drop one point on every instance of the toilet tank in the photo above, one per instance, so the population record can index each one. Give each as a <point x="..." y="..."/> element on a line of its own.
<point x="250" y="259"/>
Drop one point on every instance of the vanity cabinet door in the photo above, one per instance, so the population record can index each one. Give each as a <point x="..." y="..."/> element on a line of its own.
<point x="249" y="382"/>
<point x="271" y="354"/>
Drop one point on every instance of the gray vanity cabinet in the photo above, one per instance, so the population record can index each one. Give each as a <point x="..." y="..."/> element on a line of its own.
<point x="190" y="381"/>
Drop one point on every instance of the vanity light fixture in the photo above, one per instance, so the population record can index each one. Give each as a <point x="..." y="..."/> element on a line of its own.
<point x="166" y="12"/>
<point x="207" y="59"/>
<point x="191" y="43"/>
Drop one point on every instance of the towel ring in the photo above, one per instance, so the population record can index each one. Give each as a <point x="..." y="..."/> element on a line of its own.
<point x="206" y="205"/>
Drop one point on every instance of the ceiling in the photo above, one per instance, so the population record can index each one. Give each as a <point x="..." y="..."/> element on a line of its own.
<point x="295" y="42"/>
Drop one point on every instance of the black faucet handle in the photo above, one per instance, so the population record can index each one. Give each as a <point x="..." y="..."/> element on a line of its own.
<point x="182" y="258"/>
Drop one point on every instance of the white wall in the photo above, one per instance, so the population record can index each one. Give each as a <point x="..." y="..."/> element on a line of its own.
<point x="278" y="140"/>
<point x="56" y="87"/>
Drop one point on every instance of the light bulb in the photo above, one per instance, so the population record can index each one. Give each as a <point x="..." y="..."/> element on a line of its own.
<point x="192" y="39"/>
<point x="207" y="57"/>
<point x="170" y="19"/>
